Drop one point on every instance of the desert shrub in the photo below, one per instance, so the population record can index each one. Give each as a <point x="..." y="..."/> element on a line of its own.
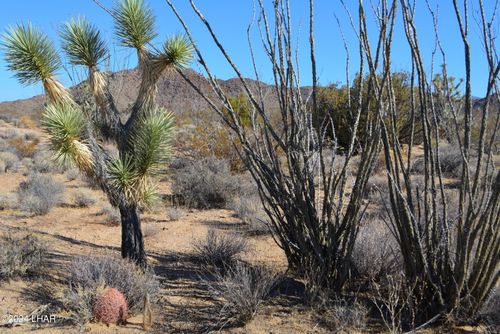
<point x="150" y="230"/>
<point x="205" y="183"/>
<point x="8" y="201"/>
<point x="72" y="174"/>
<point x="251" y="212"/>
<point x="239" y="293"/>
<point x="83" y="198"/>
<point x="491" y="311"/>
<point x="26" y="122"/>
<point x="21" y="256"/>
<point x="219" y="251"/>
<point x="450" y="160"/>
<point x="174" y="214"/>
<point x="376" y="184"/>
<point x="203" y="136"/>
<point x="24" y="148"/>
<point x="88" y="275"/>
<point x="374" y="255"/>
<point x="39" y="194"/>
<point x="43" y="162"/>
<point x="111" y="216"/>
<point x="10" y="160"/>
<point x="9" y="133"/>
<point x="341" y="315"/>
<point x="2" y="167"/>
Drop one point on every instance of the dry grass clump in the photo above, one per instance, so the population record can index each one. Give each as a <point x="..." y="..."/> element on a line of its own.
<point x="21" y="256"/>
<point x="83" y="198"/>
<point x="205" y="184"/>
<point x="39" y="194"/>
<point x="88" y="276"/>
<point x="219" y="251"/>
<point x="238" y="294"/>
<point x="340" y="315"/>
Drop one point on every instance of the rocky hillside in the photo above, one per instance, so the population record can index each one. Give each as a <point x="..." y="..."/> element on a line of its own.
<point x="174" y="93"/>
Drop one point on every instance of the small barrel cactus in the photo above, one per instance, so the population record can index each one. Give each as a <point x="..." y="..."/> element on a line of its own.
<point x="110" y="307"/>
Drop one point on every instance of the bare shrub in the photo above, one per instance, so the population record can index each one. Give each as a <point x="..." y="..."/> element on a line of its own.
<point x="375" y="251"/>
<point x="83" y="198"/>
<point x="239" y="293"/>
<point x="21" y="256"/>
<point x="174" y="214"/>
<point x="341" y="315"/>
<point x="87" y="275"/>
<point x="39" y="194"/>
<point x="219" y="251"/>
<point x="11" y="161"/>
<point x="205" y="184"/>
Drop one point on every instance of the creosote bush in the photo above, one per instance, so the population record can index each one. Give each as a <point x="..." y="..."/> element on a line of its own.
<point x="21" y="256"/>
<point x="88" y="275"/>
<point x="39" y="194"/>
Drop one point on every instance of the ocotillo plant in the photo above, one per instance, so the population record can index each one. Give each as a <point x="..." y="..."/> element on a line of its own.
<point x="77" y="134"/>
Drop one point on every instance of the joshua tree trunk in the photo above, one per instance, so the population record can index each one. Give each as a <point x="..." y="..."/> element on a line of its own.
<point x="132" y="239"/>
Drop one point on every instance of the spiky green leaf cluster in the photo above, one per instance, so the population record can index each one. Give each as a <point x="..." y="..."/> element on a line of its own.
<point x="134" y="23"/>
<point x="123" y="175"/>
<point x="177" y="51"/>
<point x="131" y="174"/>
<point x="152" y="140"/>
<point x="30" y="54"/>
<point x="66" y="127"/>
<point x="82" y="43"/>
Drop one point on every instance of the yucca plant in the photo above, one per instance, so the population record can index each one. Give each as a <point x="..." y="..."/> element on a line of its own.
<point x="77" y="134"/>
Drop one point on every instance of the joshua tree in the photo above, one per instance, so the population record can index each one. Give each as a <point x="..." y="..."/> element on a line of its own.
<point x="77" y="134"/>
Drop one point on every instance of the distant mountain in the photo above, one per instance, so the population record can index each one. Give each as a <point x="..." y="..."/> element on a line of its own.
<point x="174" y="93"/>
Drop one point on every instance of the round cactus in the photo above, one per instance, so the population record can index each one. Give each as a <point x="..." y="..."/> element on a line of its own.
<point x="110" y="307"/>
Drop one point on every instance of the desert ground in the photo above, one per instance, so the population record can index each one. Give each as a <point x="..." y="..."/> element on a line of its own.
<point x="171" y="232"/>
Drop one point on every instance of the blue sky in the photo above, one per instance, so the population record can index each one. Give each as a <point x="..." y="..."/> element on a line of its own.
<point x="230" y="19"/>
